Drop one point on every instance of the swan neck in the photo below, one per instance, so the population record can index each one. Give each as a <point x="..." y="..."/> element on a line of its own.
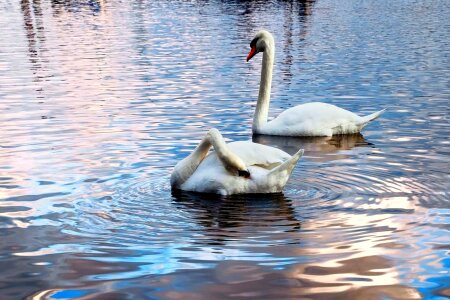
<point x="262" y="106"/>
<point x="230" y="160"/>
<point x="186" y="167"/>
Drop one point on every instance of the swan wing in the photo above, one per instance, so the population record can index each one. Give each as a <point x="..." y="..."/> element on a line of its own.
<point x="258" y="154"/>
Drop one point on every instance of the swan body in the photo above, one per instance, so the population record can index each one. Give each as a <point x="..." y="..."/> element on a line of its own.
<point x="310" y="119"/>
<point x="316" y="119"/>
<point x="234" y="168"/>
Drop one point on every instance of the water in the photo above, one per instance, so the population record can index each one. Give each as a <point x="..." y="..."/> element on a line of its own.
<point x="100" y="99"/>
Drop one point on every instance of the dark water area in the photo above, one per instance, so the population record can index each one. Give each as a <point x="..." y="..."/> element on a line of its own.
<point x="100" y="99"/>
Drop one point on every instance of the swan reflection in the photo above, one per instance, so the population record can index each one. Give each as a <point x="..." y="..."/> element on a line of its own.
<point x="321" y="148"/>
<point x="238" y="217"/>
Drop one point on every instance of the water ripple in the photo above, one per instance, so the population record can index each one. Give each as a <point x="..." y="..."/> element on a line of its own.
<point x="100" y="99"/>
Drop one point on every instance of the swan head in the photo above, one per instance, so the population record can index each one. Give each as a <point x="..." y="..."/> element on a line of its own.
<point x="244" y="173"/>
<point x="260" y="43"/>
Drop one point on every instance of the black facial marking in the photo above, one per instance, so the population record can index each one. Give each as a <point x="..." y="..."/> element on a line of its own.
<point x="253" y="42"/>
<point x="244" y="173"/>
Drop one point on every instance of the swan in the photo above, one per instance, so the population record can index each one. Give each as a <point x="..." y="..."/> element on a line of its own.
<point x="310" y="119"/>
<point x="233" y="168"/>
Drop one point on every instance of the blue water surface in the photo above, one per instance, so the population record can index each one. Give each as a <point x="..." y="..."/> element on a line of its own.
<point x="100" y="99"/>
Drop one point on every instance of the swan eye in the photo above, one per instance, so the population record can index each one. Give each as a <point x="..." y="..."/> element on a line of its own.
<point x="244" y="173"/>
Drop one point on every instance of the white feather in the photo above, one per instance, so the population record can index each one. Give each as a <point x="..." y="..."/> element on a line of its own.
<point x="269" y="168"/>
<point x="311" y="119"/>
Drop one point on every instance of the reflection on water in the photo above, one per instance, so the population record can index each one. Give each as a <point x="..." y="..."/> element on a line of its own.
<point x="100" y="99"/>
<point x="318" y="148"/>
<point x="232" y="215"/>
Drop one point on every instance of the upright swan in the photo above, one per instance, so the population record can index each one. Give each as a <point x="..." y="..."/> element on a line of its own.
<point x="234" y="168"/>
<point x="310" y="119"/>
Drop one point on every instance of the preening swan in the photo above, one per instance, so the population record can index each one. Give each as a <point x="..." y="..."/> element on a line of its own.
<point x="310" y="119"/>
<point x="234" y="168"/>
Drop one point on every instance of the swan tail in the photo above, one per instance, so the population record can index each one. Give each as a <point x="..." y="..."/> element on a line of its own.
<point x="366" y="119"/>
<point x="285" y="169"/>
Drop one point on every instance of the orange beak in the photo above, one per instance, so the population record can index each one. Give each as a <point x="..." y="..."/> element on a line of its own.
<point x="251" y="53"/>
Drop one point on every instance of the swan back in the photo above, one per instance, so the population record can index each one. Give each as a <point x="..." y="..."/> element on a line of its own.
<point x="270" y="169"/>
<point x="313" y="119"/>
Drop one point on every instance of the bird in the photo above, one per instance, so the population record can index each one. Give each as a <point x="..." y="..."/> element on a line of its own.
<point x="241" y="167"/>
<point x="309" y="119"/>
